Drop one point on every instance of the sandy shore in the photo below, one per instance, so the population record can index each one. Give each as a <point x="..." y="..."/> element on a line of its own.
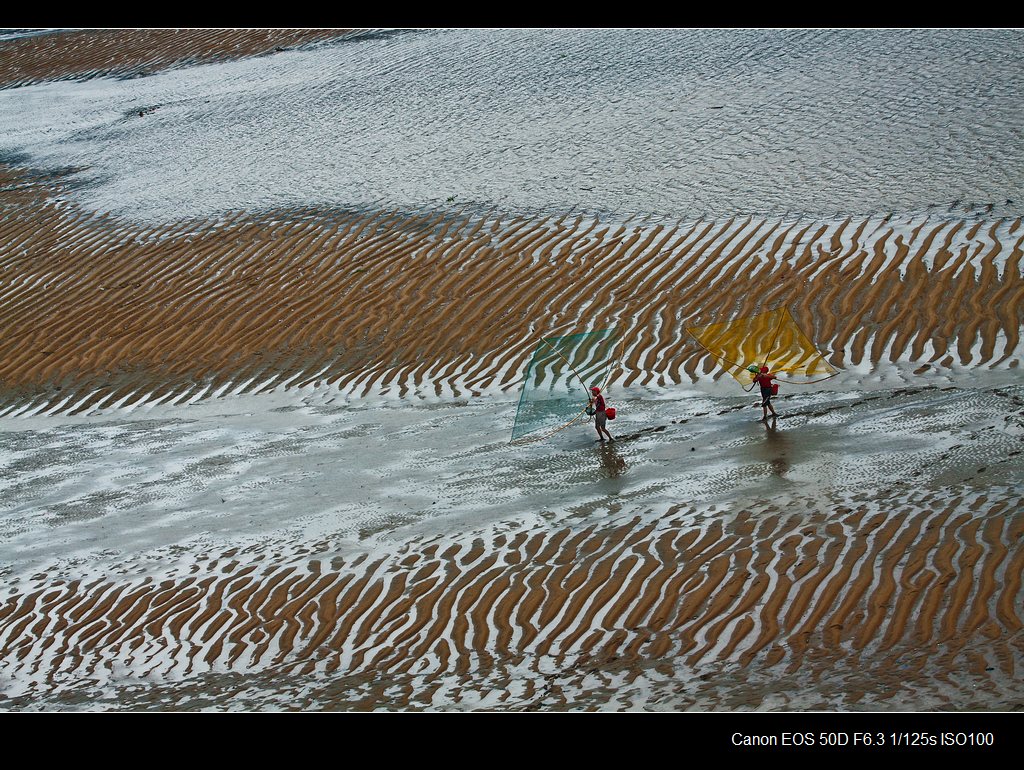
<point x="260" y="460"/>
<point x="131" y="53"/>
<point x="864" y="554"/>
<point x="901" y="594"/>
<point x="98" y="312"/>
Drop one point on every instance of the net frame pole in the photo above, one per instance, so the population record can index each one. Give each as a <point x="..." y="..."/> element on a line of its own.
<point x="547" y="434"/>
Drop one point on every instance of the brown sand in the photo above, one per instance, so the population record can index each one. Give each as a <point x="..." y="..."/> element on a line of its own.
<point x="800" y="591"/>
<point x="135" y="52"/>
<point x="95" y="311"/>
<point x="902" y="589"/>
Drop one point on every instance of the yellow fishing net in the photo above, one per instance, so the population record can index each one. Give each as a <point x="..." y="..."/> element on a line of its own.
<point x="771" y="339"/>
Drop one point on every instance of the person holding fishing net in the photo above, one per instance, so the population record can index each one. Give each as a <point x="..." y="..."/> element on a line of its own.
<point x="600" y="412"/>
<point x="764" y="378"/>
<point x="773" y="338"/>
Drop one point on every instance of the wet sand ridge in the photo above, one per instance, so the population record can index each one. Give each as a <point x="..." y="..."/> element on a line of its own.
<point x="99" y="312"/>
<point x="929" y="587"/>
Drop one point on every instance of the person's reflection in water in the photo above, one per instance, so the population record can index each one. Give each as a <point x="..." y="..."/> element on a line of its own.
<point x="777" y="449"/>
<point x="611" y="462"/>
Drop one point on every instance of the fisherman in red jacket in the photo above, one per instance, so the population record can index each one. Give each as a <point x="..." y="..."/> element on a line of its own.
<point x="600" y="417"/>
<point x="764" y="379"/>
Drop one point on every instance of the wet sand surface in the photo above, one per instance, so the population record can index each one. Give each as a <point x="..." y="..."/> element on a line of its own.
<point x="866" y="553"/>
<point x="258" y="457"/>
<point x="132" y="53"/>
<point x="683" y="124"/>
<point x="97" y="312"/>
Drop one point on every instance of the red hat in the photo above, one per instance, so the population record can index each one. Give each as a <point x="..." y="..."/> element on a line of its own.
<point x="764" y="368"/>
<point x="595" y="389"/>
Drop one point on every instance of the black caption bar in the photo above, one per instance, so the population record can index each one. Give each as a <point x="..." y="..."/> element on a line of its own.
<point x="868" y="734"/>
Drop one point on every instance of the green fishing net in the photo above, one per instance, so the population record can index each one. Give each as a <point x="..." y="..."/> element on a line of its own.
<point x="557" y="381"/>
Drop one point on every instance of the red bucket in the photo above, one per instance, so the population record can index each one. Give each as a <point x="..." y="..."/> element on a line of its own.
<point x="610" y="412"/>
<point x="775" y="388"/>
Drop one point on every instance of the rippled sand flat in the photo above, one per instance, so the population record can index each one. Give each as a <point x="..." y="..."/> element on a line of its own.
<point x="257" y="456"/>
<point x="98" y="313"/>
<point x="864" y="554"/>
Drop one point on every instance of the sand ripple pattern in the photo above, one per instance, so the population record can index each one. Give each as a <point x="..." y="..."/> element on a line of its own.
<point x="98" y="313"/>
<point x="129" y="53"/>
<point x="548" y="614"/>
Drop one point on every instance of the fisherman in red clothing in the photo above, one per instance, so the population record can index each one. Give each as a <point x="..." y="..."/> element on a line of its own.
<point x="600" y="417"/>
<point x="764" y="379"/>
